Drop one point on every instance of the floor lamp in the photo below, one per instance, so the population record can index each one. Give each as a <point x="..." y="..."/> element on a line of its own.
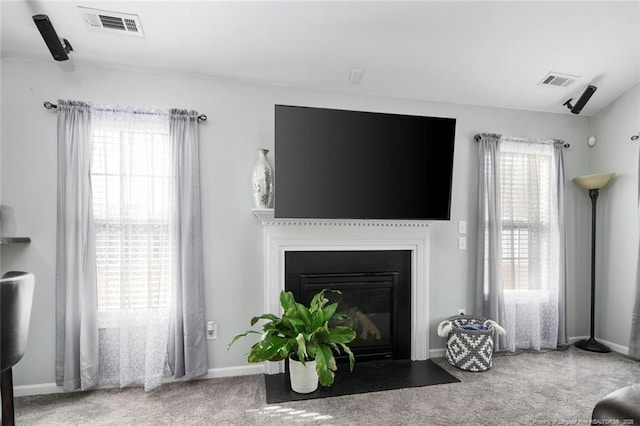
<point x="593" y="183"/>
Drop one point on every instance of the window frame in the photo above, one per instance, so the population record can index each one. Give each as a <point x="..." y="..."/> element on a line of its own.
<point x="157" y="292"/>
<point x="514" y="226"/>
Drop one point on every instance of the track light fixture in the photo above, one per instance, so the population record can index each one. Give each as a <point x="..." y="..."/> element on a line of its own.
<point x="586" y="95"/>
<point x="59" y="49"/>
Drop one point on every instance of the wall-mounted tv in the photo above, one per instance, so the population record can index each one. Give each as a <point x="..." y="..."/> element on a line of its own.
<point x="338" y="164"/>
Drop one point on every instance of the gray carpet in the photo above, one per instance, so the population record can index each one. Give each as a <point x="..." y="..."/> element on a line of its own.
<point x="547" y="388"/>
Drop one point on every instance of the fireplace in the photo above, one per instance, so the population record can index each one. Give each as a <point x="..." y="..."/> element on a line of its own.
<point x="375" y="288"/>
<point x="282" y="237"/>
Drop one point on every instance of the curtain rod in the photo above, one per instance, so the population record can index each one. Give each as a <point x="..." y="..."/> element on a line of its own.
<point x="49" y="105"/>
<point x="478" y="137"/>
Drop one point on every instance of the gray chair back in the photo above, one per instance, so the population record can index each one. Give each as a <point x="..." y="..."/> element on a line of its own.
<point x="16" y="296"/>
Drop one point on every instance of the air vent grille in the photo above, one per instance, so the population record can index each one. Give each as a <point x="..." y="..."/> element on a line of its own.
<point x="114" y="22"/>
<point x="131" y="25"/>
<point x="111" y="22"/>
<point x="556" y="79"/>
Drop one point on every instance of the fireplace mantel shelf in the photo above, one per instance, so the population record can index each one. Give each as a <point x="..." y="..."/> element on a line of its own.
<point x="267" y="218"/>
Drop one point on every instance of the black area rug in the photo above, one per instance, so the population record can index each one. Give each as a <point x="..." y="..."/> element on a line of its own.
<point x="371" y="376"/>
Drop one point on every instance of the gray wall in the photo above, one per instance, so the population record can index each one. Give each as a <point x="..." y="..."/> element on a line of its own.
<point x="617" y="224"/>
<point x="240" y="121"/>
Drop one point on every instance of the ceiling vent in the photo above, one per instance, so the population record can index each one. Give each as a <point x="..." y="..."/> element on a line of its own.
<point x="113" y="22"/>
<point x="557" y="79"/>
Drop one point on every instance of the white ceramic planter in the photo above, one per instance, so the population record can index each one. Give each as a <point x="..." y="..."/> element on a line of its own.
<point x="304" y="378"/>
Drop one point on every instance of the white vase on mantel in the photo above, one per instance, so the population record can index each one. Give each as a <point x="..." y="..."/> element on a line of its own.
<point x="262" y="179"/>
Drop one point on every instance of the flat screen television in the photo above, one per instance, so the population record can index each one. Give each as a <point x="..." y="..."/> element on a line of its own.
<point x="338" y="164"/>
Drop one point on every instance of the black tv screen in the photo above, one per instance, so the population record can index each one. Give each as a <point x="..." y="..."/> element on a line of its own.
<point x="337" y="164"/>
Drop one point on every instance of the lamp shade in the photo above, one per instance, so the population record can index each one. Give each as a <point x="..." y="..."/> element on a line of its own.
<point x="594" y="181"/>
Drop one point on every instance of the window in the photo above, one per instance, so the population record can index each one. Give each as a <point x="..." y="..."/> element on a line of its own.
<point x="521" y="190"/>
<point x="526" y="184"/>
<point x="131" y="177"/>
<point x="118" y="233"/>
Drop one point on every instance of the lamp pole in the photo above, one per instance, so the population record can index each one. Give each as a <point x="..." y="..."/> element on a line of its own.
<point x="591" y="344"/>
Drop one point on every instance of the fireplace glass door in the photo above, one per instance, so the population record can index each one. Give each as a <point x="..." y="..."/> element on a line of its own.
<point x="369" y="300"/>
<point x="374" y="292"/>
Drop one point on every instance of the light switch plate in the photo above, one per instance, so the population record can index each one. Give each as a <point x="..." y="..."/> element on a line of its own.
<point x="462" y="226"/>
<point x="462" y="243"/>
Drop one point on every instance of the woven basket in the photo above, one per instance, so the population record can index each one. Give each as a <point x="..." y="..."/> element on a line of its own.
<point x="469" y="350"/>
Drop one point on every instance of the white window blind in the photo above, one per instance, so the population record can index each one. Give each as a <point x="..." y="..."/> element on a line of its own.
<point x="526" y="209"/>
<point x="131" y="176"/>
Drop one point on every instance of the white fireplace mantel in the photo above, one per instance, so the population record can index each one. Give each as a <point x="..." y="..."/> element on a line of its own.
<point x="282" y="235"/>
<point x="267" y="218"/>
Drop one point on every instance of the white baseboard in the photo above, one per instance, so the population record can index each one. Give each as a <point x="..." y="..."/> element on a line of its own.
<point x="240" y="370"/>
<point x="437" y="353"/>
<point x="624" y="350"/>
<point x="40" y="389"/>
<point x="251" y="369"/>
<point x="212" y="373"/>
<point x="572" y="340"/>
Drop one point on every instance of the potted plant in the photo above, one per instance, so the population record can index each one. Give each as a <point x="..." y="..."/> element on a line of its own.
<point x="308" y="336"/>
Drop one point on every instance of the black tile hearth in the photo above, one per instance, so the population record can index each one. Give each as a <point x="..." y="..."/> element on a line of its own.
<point x="370" y="376"/>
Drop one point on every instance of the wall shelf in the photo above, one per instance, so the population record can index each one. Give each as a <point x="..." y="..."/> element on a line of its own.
<point x="14" y="240"/>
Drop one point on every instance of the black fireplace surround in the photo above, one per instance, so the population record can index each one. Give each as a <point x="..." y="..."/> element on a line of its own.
<point x="376" y="294"/>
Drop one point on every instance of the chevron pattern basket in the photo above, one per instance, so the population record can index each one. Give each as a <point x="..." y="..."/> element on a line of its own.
<point x="469" y="350"/>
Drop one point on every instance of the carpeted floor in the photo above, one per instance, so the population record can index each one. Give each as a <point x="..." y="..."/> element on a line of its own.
<point x="543" y="389"/>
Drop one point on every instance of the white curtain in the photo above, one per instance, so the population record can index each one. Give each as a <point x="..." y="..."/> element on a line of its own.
<point x="76" y="332"/>
<point x="634" y="341"/>
<point x="187" y="338"/>
<point x="489" y="291"/>
<point x="561" y="197"/>
<point x="130" y="286"/>
<point x="531" y="254"/>
<point x="134" y="215"/>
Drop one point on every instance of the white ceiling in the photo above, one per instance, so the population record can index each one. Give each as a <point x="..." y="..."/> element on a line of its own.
<point x="477" y="53"/>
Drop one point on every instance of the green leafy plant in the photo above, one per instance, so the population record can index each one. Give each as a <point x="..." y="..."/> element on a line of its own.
<point x="307" y="333"/>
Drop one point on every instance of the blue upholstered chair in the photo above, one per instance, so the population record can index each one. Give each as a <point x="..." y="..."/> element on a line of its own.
<point x="16" y="295"/>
